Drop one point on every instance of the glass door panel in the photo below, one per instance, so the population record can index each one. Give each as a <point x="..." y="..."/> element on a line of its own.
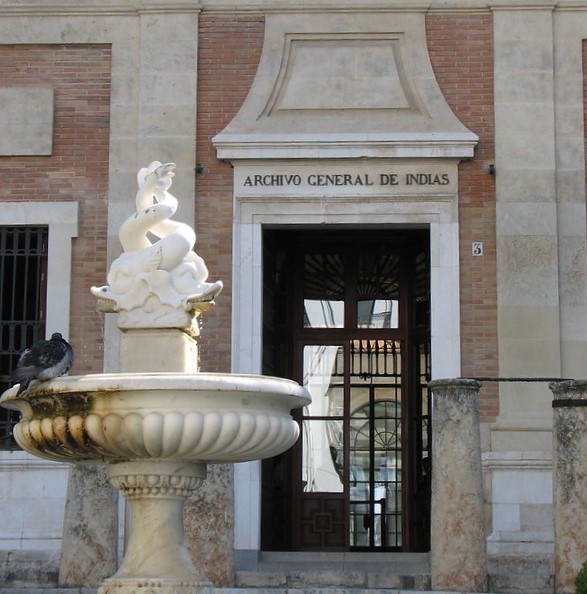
<point x="322" y="462"/>
<point x="375" y="461"/>
<point x="322" y="420"/>
<point x="323" y="500"/>
<point x="360" y="397"/>
<point x="378" y="285"/>
<point x="324" y="291"/>
<point x="323" y="378"/>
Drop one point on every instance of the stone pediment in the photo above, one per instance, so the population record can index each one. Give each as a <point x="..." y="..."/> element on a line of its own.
<point x="345" y="86"/>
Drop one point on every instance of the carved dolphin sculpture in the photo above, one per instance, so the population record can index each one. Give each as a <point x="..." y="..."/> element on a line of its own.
<point x="167" y="270"/>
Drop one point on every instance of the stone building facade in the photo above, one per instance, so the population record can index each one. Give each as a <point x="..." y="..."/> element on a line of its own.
<point x="460" y="122"/>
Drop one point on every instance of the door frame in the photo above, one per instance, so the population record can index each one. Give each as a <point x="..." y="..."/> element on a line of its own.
<point x="439" y="212"/>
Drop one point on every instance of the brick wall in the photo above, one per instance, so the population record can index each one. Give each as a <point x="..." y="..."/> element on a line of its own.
<point x="461" y="52"/>
<point x="228" y="56"/>
<point x="77" y="170"/>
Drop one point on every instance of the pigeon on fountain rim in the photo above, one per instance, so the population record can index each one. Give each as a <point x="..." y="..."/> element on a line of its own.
<point x="43" y="361"/>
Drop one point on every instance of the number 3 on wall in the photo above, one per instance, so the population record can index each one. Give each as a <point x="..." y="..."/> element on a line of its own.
<point x="477" y="248"/>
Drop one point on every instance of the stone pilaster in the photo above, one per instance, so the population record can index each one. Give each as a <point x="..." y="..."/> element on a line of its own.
<point x="527" y="225"/>
<point x="569" y="481"/>
<point x="457" y="534"/>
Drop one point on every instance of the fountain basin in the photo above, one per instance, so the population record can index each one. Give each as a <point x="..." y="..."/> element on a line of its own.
<point x="116" y="417"/>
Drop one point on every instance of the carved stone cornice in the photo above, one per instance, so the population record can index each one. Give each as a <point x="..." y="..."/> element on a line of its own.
<point x="134" y="7"/>
<point x="92" y="7"/>
<point x="338" y="86"/>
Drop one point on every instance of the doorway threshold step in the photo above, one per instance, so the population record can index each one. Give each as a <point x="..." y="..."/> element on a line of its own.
<point x="346" y="591"/>
<point x="372" y="562"/>
<point x="405" y="571"/>
<point x="330" y="581"/>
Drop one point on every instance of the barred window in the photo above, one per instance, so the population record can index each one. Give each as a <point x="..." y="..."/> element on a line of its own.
<point x="23" y="277"/>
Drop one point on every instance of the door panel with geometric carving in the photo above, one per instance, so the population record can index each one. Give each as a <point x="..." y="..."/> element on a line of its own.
<point x="323" y="521"/>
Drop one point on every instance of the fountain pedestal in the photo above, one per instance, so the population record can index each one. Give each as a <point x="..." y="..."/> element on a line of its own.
<point x="156" y="556"/>
<point x="161" y="349"/>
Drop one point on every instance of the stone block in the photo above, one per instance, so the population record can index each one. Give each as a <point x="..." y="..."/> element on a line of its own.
<point x="400" y="581"/>
<point x="28" y="569"/>
<point x="254" y="579"/>
<point x="26" y="122"/>
<point x="318" y="579"/>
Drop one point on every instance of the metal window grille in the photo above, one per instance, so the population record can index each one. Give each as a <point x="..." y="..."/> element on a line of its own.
<point x="23" y="277"/>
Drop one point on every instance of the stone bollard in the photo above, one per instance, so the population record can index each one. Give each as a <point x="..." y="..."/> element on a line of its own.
<point x="458" y="555"/>
<point x="569" y="474"/>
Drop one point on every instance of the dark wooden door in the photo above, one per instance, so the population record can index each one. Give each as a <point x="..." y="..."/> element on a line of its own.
<point x="346" y="313"/>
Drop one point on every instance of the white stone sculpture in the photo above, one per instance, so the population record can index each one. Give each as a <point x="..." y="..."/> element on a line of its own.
<point x="161" y="283"/>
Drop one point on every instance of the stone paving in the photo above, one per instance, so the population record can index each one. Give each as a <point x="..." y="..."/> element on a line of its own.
<point x="285" y="573"/>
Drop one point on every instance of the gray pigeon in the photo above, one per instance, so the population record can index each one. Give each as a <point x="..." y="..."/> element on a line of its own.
<point x="43" y="361"/>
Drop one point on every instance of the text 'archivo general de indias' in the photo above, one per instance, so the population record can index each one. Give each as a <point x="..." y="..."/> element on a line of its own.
<point x="347" y="179"/>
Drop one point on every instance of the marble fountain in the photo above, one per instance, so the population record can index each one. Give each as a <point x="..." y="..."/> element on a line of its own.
<point x="159" y="422"/>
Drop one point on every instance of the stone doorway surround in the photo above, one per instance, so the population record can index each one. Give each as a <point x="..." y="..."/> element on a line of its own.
<point x="344" y="125"/>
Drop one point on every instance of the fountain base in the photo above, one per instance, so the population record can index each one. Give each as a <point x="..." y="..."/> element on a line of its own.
<point x="153" y="586"/>
<point x="156" y="560"/>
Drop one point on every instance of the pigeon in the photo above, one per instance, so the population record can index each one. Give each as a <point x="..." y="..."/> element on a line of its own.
<point x="43" y="361"/>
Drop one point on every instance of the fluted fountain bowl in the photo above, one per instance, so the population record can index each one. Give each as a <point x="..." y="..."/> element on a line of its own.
<point x="117" y="417"/>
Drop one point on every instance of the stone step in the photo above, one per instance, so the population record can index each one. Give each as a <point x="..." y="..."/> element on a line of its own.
<point x="521" y="583"/>
<point x="355" y="581"/>
<point x="380" y="571"/>
<point x="43" y="590"/>
<point x="310" y="590"/>
<point x="504" y="583"/>
<point x="348" y="573"/>
<point x="270" y="590"/>
<point x="386" y="562"/>
<point x="521" y="574"/>
<point x="297" y="570"/>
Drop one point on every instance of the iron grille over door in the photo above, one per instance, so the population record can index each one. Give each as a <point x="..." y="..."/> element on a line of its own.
<point x="23" y="275"/>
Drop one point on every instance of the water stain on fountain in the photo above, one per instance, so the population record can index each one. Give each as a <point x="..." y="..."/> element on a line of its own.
<point x="159" y="422"/>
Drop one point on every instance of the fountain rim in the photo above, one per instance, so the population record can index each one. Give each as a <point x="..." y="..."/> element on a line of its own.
<point x="161" y="381"/>
<point x="105" y="416"/>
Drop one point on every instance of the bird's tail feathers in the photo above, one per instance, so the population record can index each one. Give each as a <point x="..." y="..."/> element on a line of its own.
<point x="22" y="373"/>
<point x="24" y="384"/>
